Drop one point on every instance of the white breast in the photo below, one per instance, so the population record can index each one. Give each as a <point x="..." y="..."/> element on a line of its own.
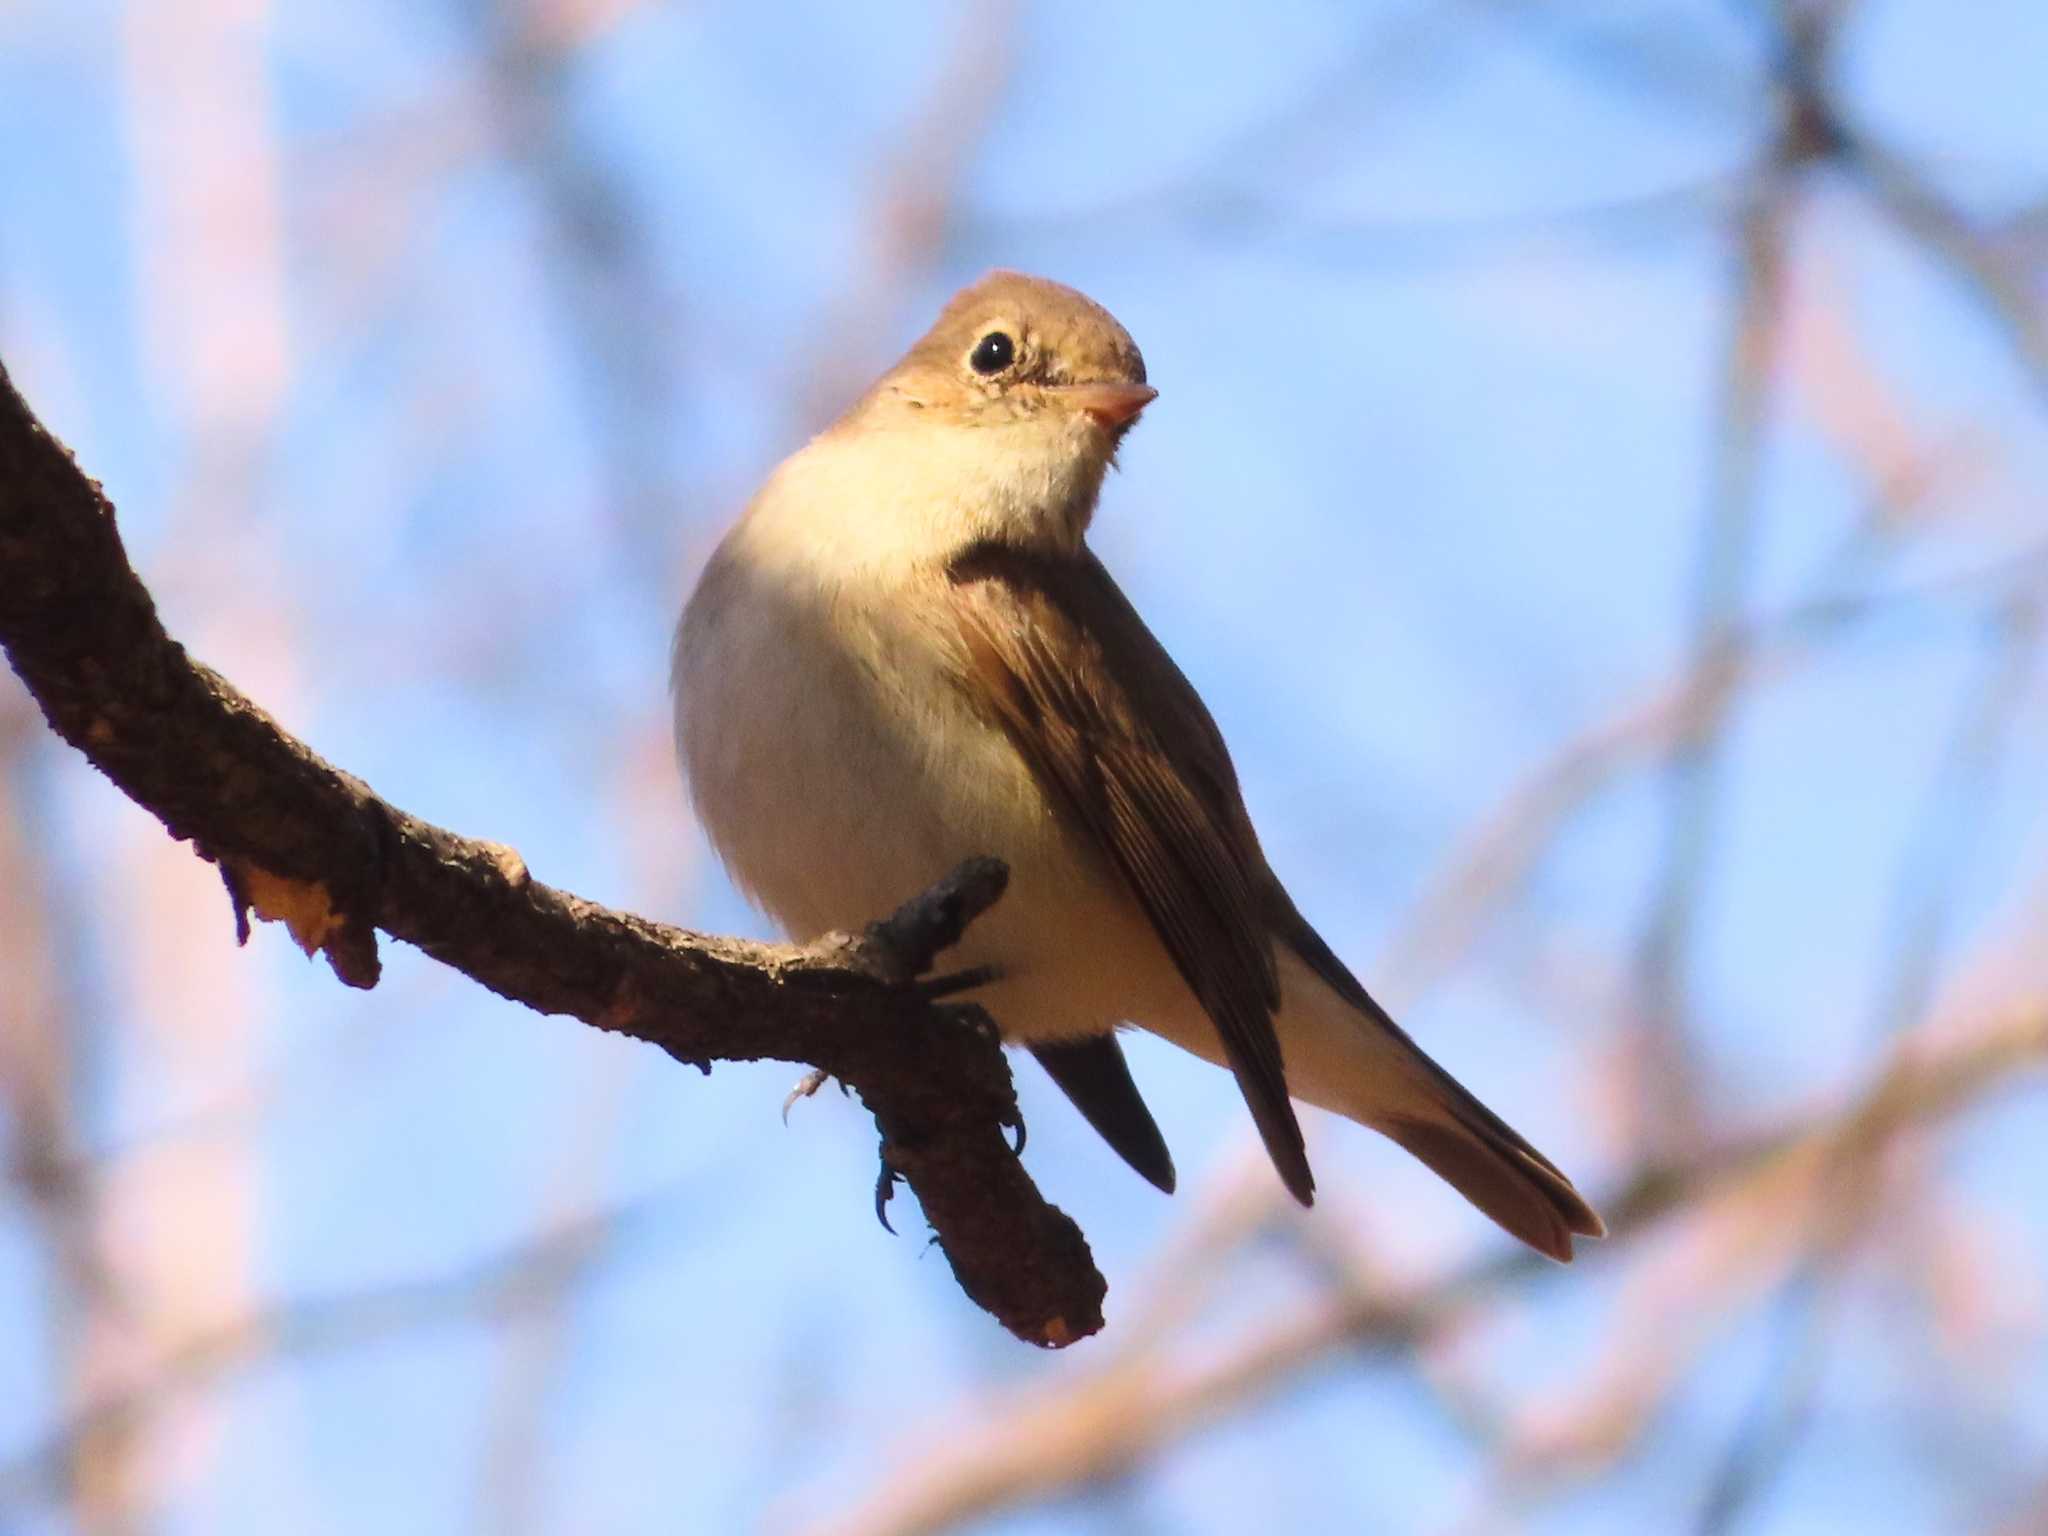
<point x="839" y="770"/>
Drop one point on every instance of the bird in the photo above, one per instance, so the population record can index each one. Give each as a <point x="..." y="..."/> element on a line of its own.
<point x="904" y="654"/>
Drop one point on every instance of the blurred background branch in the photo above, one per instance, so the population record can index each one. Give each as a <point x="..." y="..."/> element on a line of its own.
<point x="1083" y="1432"/>
<point x="1597" y="483"/>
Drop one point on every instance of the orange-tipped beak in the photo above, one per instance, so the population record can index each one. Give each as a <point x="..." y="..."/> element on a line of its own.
<point x="1113" y="405"/>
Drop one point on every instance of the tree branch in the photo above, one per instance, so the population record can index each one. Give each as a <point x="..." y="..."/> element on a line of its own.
<point x="301" y="842"/>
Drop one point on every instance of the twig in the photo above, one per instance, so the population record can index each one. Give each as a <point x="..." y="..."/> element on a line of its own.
<point x="1919" y="208"/>
<point x="1809" y="1299"/>
<point x="300" y="842"/>
<point x="1695" y="770"/>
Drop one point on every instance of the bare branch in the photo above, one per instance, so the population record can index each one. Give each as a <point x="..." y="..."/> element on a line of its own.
<point x="1696" y="770"/>
<point x="301" y="842"/>
<point x="1923" y="212"/>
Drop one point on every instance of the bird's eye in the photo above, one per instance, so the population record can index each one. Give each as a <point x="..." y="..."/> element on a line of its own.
<point x="992" y="354"/>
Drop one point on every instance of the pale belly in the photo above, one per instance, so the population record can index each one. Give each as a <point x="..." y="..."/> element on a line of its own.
<point x="839" y="772"/>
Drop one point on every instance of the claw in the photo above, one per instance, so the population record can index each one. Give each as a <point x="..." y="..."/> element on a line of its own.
<point x="885" y="1186"/>
<point x="806" y="1085"/>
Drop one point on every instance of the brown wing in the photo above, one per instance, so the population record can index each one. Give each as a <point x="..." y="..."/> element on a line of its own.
<point x="1057" y="655"/>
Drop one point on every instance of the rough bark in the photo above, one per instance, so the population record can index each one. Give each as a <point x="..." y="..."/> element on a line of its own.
<point x="301" y="842"/>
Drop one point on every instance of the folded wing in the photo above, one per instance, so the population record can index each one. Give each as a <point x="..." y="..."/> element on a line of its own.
<point x="1056" y="655"/>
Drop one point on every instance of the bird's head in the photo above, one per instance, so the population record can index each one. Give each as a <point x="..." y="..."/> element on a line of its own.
<point x="1028" y="387"/>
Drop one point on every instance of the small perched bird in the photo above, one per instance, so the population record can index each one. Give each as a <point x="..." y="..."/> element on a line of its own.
<point x="905" y="655"/>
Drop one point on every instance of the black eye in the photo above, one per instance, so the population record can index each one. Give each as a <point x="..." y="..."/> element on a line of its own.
<point x="992" y="354"/>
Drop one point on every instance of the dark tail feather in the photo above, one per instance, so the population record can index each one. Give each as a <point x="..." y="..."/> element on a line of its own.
<point x="1280" y="1129"/>
<point x="1509" y="1180"/>
<point x="1467" y="1145"/>
<point x="1093" y="1073"/>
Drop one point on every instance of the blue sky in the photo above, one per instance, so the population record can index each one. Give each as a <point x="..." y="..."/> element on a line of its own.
<point x="425" y="361"/>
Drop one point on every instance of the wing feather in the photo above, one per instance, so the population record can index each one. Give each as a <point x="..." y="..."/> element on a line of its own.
<point x="1055" y="654"/>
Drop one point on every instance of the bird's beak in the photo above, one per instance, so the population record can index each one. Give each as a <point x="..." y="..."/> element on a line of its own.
<point x="1112" y="405"/>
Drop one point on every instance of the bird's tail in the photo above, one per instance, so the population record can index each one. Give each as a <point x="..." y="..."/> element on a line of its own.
<point x="1482" y="1158"/>
<point x="1343" y="1052"/>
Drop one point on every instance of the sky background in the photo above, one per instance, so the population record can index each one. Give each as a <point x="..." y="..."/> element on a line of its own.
<point x="426" y="350"/>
